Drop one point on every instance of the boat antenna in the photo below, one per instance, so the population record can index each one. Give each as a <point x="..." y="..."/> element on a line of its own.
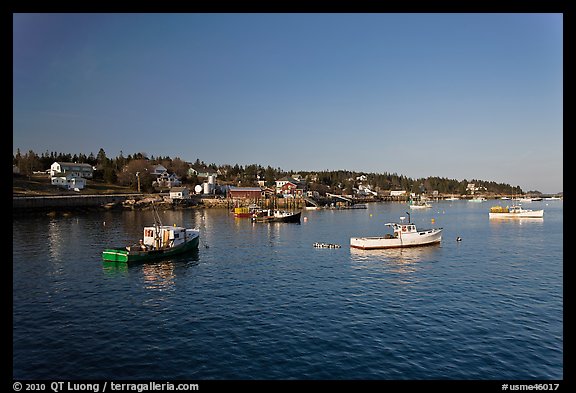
<point x="408" y="217"/>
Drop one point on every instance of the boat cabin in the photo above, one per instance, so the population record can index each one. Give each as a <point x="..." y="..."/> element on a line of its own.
<point x="164" y="236"/>
<point x="516" y="209"/>
<point x="403" y="228"/>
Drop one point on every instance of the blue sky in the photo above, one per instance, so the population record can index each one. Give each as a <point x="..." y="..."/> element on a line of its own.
<point x="460" y="96"/>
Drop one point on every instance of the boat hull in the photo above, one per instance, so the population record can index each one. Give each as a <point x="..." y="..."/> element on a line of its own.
<point x="524" y="214"/>
<point x="123" y="255"/>
<point x="418" y="239"/>
<point x="294" y="218"/>
<point x="243" y="215"/>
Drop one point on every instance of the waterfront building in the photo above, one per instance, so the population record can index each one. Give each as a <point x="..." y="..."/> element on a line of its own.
<point x="179" y="193"/>
<point x="68" y="181"/>
<point x="78" y="170"/>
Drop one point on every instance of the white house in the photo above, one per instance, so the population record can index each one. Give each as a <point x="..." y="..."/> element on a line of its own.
<point x="201" y="172"/>
<point x="397" y="192"/>
<point x="288" y="182"/>
<point x="289" y="187"/>
<point x="68" y="181"/>
<point x="365" y="190"/>
<point x="158" y="170"/>
<point x="179" y="193"/>
<point x="472" y="188"/>
<point x="167" y="180"/>
<point x="312" y="194"/>
<point x="78" y="170"/>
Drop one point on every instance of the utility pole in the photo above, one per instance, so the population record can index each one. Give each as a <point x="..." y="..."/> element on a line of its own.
<point x="138" y="177"/>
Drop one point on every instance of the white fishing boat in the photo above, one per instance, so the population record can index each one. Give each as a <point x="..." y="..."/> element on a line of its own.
<point x="404" y="235"/>
<point x="514" y="211"/>
<point x="420" y="205"/>
<point x="477" y="199"/>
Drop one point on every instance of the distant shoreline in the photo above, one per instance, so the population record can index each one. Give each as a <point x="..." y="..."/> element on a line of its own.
<point x="63" y="204"/>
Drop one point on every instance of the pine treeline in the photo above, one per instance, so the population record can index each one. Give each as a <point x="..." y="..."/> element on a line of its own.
<point x="121" y="170"/>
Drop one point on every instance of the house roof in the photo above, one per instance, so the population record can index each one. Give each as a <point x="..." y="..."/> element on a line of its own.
<point x="178" y="189"/>
<point x="291" y="180"/>
<point x="241" y="189"/>
<point x="203" y="169"/>
<point x="67" y="176"/>
<point x="68" y="164"/>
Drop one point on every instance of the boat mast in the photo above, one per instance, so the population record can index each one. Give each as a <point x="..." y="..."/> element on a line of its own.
<point x="157" y="226"/>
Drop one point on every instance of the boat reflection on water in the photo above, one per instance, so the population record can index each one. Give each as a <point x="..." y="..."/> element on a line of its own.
<point x="113" y="268"/>
<point x="517" y="221"/>
<point x="408" y="254"/>
<point x="395" y="260"/>
<point x="155" y="275"/>
<point x="159" y="276"/>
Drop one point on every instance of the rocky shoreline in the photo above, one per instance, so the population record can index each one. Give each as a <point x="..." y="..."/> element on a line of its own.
<point x="166" y="203"/>
<point x="65" y="205"/>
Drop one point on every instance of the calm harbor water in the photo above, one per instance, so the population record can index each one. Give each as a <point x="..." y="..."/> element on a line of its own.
<point x="258" y="301"/>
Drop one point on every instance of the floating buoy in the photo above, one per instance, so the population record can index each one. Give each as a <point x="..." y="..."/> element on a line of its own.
<point x="326" y="245"/>
<point x="458" y="239"/>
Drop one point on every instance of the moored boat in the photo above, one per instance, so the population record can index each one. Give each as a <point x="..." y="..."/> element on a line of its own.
<point x="354" y="206"/>
<point x="554" y="198"/>
<point x="270" y="215"/>
<point x="404" y="235"/>
<point x="420" y="205"/>
<point x="514" y="211"/>
<point x="525" y="199"/>
<point x="245" y="211"/>
<point x="158" y="241"/>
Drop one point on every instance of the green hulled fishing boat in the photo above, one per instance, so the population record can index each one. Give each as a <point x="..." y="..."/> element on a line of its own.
<point x="158" y="241"/>
<point x="173" y="241"/>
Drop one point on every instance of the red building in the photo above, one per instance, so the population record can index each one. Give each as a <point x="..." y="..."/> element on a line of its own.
<point x="251" y="193"/>
<point x="290" y="188"/>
